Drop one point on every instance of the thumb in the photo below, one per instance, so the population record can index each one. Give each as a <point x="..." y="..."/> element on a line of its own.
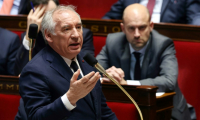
<point x="75" y="76"/>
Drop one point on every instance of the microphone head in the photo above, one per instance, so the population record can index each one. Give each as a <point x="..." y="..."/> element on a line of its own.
<point x="90" y="59"/>
<point x="33" y="29"/>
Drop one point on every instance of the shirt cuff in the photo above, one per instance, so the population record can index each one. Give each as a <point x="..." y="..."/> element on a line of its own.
<point x="26" y="43"/>
<point x="66" y="102"/>
<point x="133" y="82"/>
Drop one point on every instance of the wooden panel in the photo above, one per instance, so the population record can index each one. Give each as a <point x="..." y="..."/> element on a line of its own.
<point x="99" y="27"/>
<point x="152" y="107"/>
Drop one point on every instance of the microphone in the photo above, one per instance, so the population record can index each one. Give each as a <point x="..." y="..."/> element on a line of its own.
<point x="91" y="60"/>
<point x="32" y="34"/>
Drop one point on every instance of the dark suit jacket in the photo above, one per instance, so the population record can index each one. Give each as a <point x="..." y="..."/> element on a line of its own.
<point x="159" y="67"/>
<point x="172" y="11"/>
<point x="22" y="57"/>
<point x="9" y="44"/>
<point x="46" y="78"/>
<point x="23" y="7"/>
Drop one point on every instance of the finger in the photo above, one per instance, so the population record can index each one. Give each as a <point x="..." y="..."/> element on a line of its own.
<point x="93" y="79"/>
<point x="93" y="83"/>
<point x="75" y="76"/>
<point x="38" y="8"/>
<point x="105" y="79"/>
<point x="120" y="72"/>
<point x="41" y="12"/>
<point x="87" y="77"/>
<point x="117" y="77"/>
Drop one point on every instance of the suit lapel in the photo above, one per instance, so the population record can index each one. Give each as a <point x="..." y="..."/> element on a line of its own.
<point x="87" y="69"/>
<point x="58" y="64"/>
<point x="125" y="61"/>
<point x="164" y="6"/>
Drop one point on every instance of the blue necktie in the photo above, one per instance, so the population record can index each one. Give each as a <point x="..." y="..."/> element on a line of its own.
<point x="137" y="72"/>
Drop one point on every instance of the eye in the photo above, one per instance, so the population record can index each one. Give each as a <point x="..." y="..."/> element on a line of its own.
<point x="66" y="29"/>
<point x="142" y="27"/>
<point x="78" y="27"/>
<point x="132" y="28"/>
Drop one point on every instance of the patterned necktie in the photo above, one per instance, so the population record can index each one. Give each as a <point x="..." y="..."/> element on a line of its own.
<point x="6" y="7"/>
<point x="137" y="72"/>
<point x="150" y="6"/>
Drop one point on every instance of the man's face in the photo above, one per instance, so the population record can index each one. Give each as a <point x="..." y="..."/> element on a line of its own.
<point x="137" y="30"/>
<point x="68" y="29"/>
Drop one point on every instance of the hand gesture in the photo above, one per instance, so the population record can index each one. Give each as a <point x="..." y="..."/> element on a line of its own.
<point x="80" y="88"/>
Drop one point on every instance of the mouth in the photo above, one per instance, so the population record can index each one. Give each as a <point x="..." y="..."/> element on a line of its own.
<point x="75" y="45"/>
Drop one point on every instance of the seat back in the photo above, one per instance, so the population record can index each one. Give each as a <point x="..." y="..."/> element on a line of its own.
<point x="188" y="55"/>
<point x="90" y="8"/>
<point x="8" y="106"/>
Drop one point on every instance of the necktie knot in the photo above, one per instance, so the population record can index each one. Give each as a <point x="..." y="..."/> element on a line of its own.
<point x="137" y="55"/>
<point x="74" y="66"/>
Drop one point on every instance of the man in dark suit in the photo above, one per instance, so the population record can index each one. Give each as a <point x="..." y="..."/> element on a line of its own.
<point x="9" y="44"/>
<point x="169" y="11"/>
<point x="142" y="56"/>
<point x="50" y="84"/>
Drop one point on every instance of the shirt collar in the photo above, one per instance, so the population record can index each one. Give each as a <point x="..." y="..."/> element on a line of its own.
<point x="68" y="61"/>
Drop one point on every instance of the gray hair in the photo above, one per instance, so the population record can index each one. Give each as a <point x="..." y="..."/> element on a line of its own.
<point x="48" y="23"/>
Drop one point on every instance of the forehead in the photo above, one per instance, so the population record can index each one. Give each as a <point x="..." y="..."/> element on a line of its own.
<point x="66" y="17"/>
<point x="136" y="18"/>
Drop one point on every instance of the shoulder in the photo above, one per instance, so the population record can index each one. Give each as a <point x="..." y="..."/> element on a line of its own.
<point x="159" y="38"/>
<point x="116" y="38"/>
<point x="7" y="33"/>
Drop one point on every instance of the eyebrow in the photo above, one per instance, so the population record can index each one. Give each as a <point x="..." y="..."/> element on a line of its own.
<point x="70" y="25"/>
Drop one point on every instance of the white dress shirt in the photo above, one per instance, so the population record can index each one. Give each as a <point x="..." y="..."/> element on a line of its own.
<point x="15" y="8"/>
<point x="156" y="10"/>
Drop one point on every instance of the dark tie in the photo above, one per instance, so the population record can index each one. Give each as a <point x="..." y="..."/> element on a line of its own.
<point x="74" y="66"/>
<point x="150" y="6"/>
<point x="137" y="72"/>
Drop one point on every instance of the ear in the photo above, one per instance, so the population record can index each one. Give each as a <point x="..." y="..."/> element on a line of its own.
<point x="122" y="26"/>
<point x="151" y="25"/>
<point x="48" y="36"/>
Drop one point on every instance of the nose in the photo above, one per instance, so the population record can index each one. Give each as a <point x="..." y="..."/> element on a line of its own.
<point x="75" y="33"/>
<point x="137" y="33"/>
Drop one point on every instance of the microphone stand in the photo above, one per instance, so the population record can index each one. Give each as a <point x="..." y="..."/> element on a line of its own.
<point x="102" y="70"/>
<point x="30" y="50"/>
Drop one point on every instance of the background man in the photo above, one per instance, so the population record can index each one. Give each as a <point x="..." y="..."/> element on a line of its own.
<point x="9" y="44"/>
<point x="143" y="57"/>
<point x="50" y="88"/>
<point x="169" y="11"/>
